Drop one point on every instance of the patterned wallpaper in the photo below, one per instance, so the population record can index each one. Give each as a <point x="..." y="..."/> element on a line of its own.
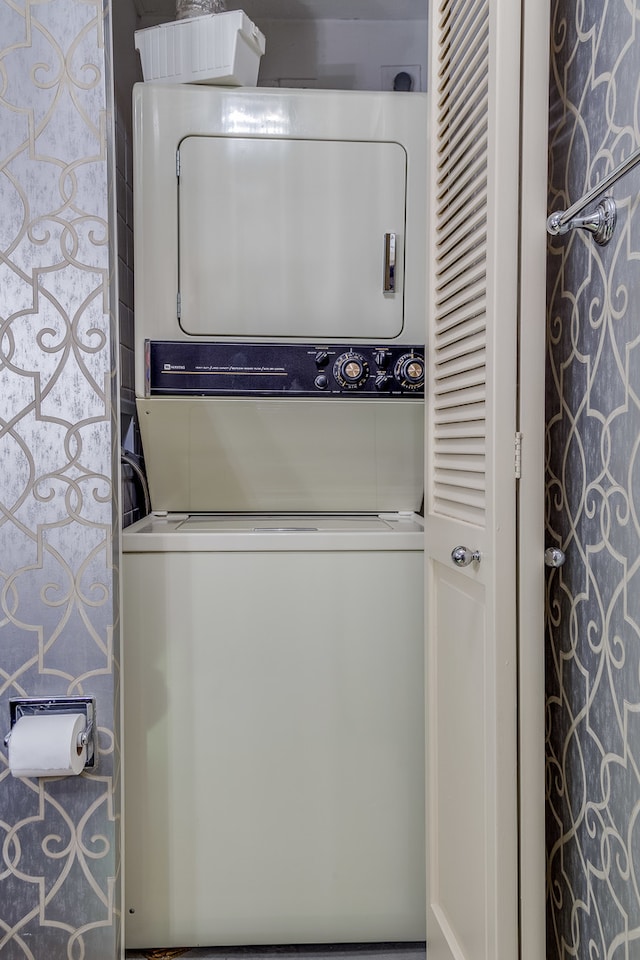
<point x="59" y="861"/>
<point x="593" y="495"/>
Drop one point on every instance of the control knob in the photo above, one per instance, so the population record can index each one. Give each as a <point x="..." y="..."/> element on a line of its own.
<point x="409" y="371"/>
<point x="381" y="357"/>
<point x="351" y="370"/>
<point x="383" y="380"/>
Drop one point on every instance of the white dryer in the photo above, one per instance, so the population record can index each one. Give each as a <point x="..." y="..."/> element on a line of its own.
<point x="269" y="219"/>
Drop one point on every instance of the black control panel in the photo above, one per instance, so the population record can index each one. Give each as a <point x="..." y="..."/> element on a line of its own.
<point x="177" y="368"/>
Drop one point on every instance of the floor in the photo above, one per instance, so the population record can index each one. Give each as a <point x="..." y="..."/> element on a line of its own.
<point x="333" y="951"/>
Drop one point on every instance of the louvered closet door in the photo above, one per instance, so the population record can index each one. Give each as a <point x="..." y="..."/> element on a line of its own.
<point x="471" y="485"/>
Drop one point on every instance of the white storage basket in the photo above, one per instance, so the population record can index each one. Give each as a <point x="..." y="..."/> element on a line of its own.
<point x="219" y="48"/>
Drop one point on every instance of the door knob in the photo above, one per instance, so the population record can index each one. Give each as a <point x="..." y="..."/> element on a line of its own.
<point x="462" y="556"/>
<point x="554" y="557"/>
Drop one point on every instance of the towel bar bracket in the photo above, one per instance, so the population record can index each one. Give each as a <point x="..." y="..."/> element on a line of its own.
<point x="600" y="223"/>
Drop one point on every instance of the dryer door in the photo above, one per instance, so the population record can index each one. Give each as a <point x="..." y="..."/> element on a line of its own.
<point x="291" y="238"/>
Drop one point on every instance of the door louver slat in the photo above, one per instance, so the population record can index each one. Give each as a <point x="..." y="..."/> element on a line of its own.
<point x="458" y="265"/>
<point x="466" y="445"/>
<point x="460" y="299"/>
<point x="459" y="244"/>
<point x="467" y="73"/>
<point x="458" y="376"/>
<point x="470" y="166"/>
<point x="470" y="330"/>
<point x="461" y="140"/>
<point x="467" y="364"/>
<point x="476" y="221"/>
<point x="460" y="34"/>
<point x="455" y="224"/>
<point x="465" y="394"/>
<point x="461" y="478"/>
<point x="462" y="283"/>
<point x="468" y="509"/>
<point x="463" y="245"/>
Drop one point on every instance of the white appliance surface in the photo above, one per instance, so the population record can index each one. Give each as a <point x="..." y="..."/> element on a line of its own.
<point x="274" y="718"/>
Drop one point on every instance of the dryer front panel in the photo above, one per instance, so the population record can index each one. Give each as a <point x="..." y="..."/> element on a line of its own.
<point x="288" y="238"/>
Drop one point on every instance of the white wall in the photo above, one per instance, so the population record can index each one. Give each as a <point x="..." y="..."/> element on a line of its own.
<point x="343" y="54"/>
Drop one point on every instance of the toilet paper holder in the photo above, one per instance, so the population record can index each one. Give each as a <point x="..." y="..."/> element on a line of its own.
<point x="37" y="706"/>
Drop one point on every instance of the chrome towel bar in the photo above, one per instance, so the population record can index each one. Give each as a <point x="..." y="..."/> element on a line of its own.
<point x="602" y="221"/>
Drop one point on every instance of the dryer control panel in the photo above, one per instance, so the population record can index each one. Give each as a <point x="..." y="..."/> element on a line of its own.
<point x="178" y="368"/>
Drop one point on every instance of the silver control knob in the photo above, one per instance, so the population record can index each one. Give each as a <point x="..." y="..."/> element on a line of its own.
<point x="351" y="370"/>
<point x="409" y="371"/>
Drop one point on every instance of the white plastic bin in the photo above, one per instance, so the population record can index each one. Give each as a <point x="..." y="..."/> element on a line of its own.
<point x="221" y="48"/>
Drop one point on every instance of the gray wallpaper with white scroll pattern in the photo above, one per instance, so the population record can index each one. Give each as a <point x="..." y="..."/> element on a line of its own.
<point x="593" y="494"/>
<point x="59" y="858"/>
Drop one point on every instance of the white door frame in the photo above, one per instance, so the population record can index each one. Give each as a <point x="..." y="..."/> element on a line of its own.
<point x="531" y="680"/>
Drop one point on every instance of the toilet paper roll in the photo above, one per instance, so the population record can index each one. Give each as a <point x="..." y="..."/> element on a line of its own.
<point x="46" y="745"/>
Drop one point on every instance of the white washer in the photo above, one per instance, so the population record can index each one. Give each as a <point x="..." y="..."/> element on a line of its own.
<point x="274" y="762"/>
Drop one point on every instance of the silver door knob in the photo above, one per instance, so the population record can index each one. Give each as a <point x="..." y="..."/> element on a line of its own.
<point x="462" y="556"/>
<point x="554" y="557"/>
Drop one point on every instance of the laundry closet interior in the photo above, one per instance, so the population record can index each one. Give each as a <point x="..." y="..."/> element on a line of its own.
<point x="272" y="306"/>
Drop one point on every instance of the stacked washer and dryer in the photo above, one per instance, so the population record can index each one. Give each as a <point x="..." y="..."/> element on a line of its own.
<point x="273" y="600"/>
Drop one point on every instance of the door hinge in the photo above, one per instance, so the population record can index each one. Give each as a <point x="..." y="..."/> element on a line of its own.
<point x="179" y="304"/>
<point x="517" y="461"/>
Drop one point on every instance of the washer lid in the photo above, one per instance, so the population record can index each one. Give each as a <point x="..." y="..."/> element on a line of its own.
<point x="252" y="455"/>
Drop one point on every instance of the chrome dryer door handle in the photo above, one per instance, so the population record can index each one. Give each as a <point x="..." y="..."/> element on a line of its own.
<point x="389" y="284"/>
